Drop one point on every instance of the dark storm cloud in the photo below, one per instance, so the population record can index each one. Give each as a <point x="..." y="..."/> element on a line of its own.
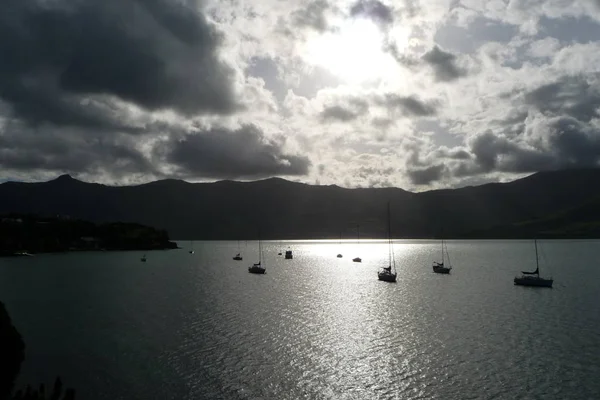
<point x="383" y="123"/>
<point x="567" y="143"/>
<point x="576" y="96"/>
<point x="374" y="10"/>
<point x="351" y="109"/>
<point x="242" y="153"/>
<point x="338" y="113"/>
<point x="553" y="126"/>
<point x="313" y="16"/>
<point x="391" y="47"/>
<point x="574" y="143"/>
<point x="452" y="154"/>
<point x="488" y="147"/>
<point x="409" y="105"/>
<point x="424" y="176"/>
<point x="66" y="151"/>
<point x="443" y="64"/>
<point x="156" y="54"/>
<point x="498" y="153"/>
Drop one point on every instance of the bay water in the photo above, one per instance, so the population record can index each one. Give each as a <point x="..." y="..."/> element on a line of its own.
<point x="199" y="326"/>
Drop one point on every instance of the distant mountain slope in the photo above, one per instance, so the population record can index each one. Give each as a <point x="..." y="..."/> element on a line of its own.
<point x="582" y="221"/>
<point x="283" y="209"/>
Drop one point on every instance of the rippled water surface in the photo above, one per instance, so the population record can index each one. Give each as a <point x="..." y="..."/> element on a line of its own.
<point x="198" y="326"/>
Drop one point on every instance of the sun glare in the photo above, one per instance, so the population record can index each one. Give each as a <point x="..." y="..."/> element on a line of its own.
<point x="354" y="52"/>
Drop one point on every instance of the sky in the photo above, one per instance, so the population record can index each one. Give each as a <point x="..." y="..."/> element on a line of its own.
<point x="363" y="93"/>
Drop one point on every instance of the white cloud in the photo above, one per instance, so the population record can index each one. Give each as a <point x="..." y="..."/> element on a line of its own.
<point x="349" y="94"/>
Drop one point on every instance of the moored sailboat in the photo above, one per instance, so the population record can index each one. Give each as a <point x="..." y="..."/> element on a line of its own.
<point x="388" y="274"/>
<point x="440" y="267"/>
<point x="357" y="259"/>
<point x="258" y="268"/>
<point x="534" y="278"/>
<point x="238" y="256"/>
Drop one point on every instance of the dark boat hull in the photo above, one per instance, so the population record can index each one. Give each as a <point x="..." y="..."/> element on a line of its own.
<point x="534" y="282"/>
<point x="441" y="270"/>
<point x="256" y="270"/>
<point x="386" y="277"/>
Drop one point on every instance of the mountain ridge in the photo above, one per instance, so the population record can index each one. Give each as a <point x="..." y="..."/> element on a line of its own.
<point x="292" y="210"/>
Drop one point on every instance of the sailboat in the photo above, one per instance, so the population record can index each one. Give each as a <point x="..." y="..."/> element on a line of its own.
<point x="534" y="278"/>
<point x="439" y="267"/>
<point x="357" y="259"/>
<point x="238" y="256"/>
<point x="289" y="255"/>
<point x="340" y="254"/>
<point x="191" y="247"/>
<point x="258" y="268"/>
<point x="388" y="274"/>
<point x="143" y="259"/>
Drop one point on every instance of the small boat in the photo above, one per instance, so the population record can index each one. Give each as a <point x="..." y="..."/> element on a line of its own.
<point x="192" y="247"/>
<point x="143" y="259"/>
<point x="534" y="278"/>
<point x="279" y="253"/>
<point x="238" y="256"/>
<point x="340" y="254"/>
<point x="288" y="255"/>
<point x="388" y="274"/>
<point x="439" y="267"/>
<point x="357" y="259"/>
<point x="258" y="268"/>
<point x="22" y="254"/>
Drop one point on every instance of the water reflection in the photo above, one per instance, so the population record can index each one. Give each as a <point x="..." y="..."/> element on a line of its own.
<point x="188" y="326"/>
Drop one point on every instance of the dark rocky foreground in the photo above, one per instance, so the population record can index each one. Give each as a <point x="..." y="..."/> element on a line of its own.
<point x="21" y="234"/>
<point x="12" y="352"/>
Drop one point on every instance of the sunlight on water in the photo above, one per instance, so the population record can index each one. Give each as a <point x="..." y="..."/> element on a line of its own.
<point x="184" y="326"/>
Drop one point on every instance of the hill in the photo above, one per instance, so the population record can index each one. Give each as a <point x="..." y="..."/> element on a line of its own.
<point x="287" y="210"/>
<point x="32" y="234"/>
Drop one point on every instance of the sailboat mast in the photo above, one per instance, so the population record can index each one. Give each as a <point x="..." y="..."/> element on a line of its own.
<point x="537" y="261"/>
<point x="442" y="251"/>
<point x="389" y="234"/>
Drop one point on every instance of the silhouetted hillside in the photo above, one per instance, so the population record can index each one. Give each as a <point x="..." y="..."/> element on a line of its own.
<point x="577" y="222"/>
<point x="12" y="352"/>
<point x="32" y="234"/>
<point x="283" y="209"/>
